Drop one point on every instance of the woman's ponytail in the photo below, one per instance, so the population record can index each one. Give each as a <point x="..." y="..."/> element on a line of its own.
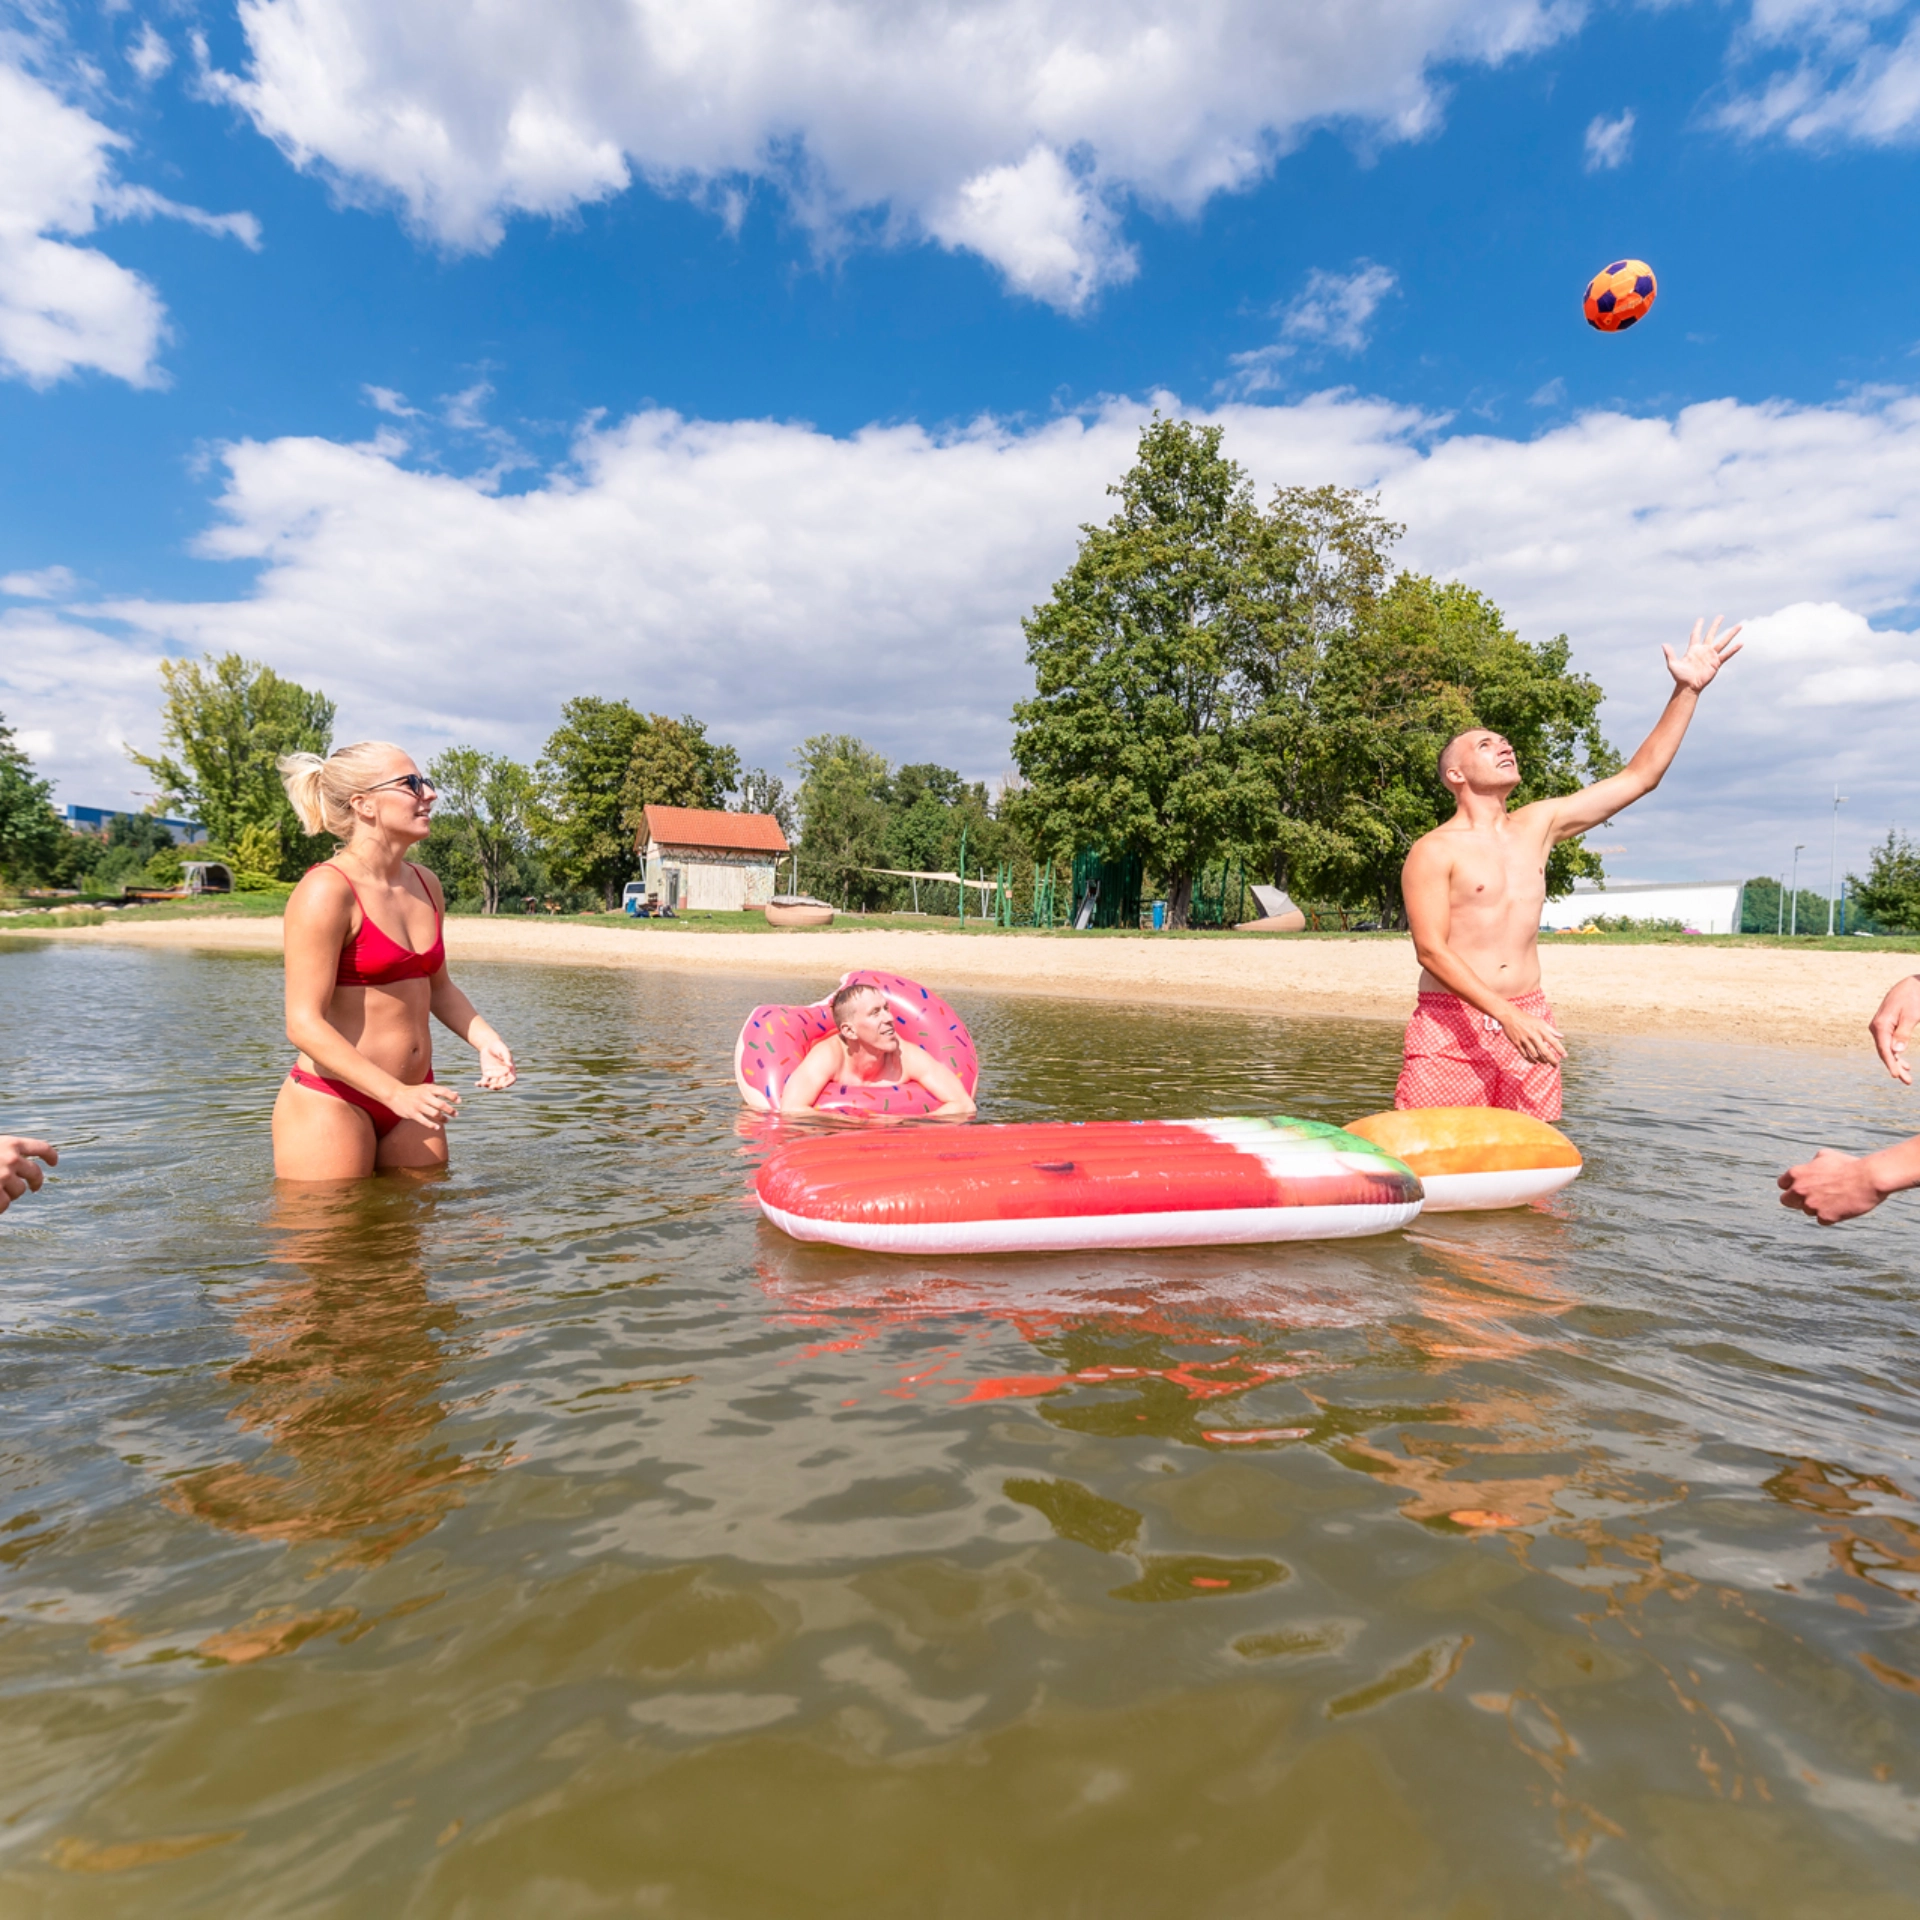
<point x="319" y="790"/>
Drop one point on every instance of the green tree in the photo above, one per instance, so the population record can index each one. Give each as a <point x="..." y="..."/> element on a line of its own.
<point x="1890" y="892"/>
<point x="583" y="775"/>
<point x="674" y="764"/>
<point x="31" y="832"/>
<point x="228" y="721"/>
<point x="1148" y="659"/>
<point x="489" y="804"/>
<point x="1418" y="664"/>
<point x="844" y="791"/>
<point x="764" y="792"/>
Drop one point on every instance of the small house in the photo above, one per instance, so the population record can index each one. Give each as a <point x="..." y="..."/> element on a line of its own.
<point x="702" y="860"/>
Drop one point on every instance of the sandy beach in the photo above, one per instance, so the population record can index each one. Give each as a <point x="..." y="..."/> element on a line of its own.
<point x="1760" y="997"/>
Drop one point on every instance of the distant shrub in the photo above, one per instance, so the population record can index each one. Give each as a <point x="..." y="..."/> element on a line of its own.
<point x="1626" y="923"/>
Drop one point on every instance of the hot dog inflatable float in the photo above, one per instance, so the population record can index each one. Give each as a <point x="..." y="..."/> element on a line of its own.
<point x="775" y="1040"/>
<point x="1473" y="1158"/>
<point x="1049" y="1185"/>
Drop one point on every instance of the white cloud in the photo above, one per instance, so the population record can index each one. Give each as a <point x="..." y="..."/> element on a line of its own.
<point x="1017" y="129"/>
<point x="1849" y="80"/>
<point x="735" y="569"/>
<point x="48" y="583"/>
<point x="65" y="307"/>
<point x="1609" y="142"/>
<point x="1332" y="315"/>
<point x="149" y="56"/>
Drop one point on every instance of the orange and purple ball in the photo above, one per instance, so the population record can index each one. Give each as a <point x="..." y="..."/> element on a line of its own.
<point x="1620" y="295"/>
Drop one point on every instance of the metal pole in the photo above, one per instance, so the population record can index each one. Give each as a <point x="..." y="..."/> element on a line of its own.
<point x="1793" y="921"/>
<point x="963" y="875"/>
<point x="1833" y="857"/>
<point x="1780" y="918"/>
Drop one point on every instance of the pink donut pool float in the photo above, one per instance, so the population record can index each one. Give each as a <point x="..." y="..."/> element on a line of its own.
<point x="776" y="1039"/>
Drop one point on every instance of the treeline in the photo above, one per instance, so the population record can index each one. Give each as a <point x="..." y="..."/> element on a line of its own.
<point x="1224" y="689"/>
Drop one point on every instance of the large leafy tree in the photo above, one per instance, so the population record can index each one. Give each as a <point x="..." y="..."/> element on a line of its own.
<point x="31" y="832"/>
<point x="1213" y="677"/>
<point x="225" y="723"/>
<point x="583" y="780"/>
<point x="1422" y="663"/>
<point x="1890" y="892"/>
<point x="674" y="764"/>
<point x="844" y="795"/>
<point x="1134" y="741"/>
<point x="488" y="802"/>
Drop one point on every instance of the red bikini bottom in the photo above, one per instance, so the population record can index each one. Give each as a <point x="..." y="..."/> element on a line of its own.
<point x="384" y="1118"/>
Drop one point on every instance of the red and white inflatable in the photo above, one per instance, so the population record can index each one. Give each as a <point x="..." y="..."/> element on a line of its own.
<point x="776" y="1039"/>
<point x="1048" y="1185"/>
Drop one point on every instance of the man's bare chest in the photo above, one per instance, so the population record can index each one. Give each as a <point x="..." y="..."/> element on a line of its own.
<point x="1493" y="877"/>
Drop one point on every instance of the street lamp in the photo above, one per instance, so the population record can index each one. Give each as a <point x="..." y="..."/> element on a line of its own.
<point x="1833" y="857"/>
<point x="1793" y="923"/>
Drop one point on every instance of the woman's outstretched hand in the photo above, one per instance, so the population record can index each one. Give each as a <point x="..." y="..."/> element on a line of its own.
<point x="497" y="1070"/>
<point x="433" y="1106"/>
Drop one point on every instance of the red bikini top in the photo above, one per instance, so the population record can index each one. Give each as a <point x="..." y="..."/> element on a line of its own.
<point x="374" y="959"/>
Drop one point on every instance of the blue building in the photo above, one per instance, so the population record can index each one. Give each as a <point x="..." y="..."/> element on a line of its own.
<point x="96" y="820"/>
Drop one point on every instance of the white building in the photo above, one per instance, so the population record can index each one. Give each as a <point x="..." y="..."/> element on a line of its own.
<point x="1707" y="906"/>
<point x="702" y="860"/>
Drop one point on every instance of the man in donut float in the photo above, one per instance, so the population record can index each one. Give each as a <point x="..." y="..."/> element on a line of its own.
<point x="865" y="1050"/>
<point x="1482" y="1033"/>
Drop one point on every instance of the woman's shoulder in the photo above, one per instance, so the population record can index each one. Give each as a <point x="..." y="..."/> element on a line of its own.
<point x="431" y="881"/>
<point x="322" y="891"/>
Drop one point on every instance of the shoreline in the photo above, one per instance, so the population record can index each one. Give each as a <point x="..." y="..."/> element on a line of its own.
<point x="1755" y="997"/>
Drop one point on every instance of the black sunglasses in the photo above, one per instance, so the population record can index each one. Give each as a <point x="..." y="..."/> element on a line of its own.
<point x="416" y="784"/>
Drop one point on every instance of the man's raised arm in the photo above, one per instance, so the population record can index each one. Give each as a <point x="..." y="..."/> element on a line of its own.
<point x="1707" y="652"/>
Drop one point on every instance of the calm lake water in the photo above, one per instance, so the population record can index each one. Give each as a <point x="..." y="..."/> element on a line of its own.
<point x="556" y="1539"/>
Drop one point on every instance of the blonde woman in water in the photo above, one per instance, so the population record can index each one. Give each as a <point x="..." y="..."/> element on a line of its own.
<point x="366" y="966"/>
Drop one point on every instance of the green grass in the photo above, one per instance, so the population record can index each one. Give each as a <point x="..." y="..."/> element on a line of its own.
<point x="24" y="916"/>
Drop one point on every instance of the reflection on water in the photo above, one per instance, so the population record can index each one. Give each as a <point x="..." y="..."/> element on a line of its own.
<point x="348" y="1354"/>
<point x="556" y="1537"/>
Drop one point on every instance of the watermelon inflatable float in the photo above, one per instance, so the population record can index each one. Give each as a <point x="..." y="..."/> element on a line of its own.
<point x="1057" y="1185"/>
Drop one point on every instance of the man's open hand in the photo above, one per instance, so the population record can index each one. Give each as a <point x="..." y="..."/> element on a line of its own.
<point x="19" y="1166"/>
<point x="1707" y="652"/>
<point x="1893" y="1023"/>
<point x="1831" y="1186"/>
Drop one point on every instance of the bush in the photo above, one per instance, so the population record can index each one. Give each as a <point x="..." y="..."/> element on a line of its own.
<point x="1625" y="923"/>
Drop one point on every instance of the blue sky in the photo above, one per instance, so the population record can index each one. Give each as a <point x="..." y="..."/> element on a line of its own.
<point x="471" y="426"/>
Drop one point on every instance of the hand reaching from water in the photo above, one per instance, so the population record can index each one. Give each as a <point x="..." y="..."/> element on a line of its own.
<point x="19" y="1166"/>
<point x="1831" y="1187"/>
<point x="1707" y="652"/>
<point x="1891" y="1026"/>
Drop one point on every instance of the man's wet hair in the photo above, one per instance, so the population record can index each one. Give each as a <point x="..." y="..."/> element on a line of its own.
<point x="848" y="995"/>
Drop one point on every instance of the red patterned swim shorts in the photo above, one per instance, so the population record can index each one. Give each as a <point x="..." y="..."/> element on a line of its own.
<point x="1457" y="1056"/>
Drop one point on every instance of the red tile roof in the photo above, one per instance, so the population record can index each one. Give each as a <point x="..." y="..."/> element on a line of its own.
<point x="709" y="827"/>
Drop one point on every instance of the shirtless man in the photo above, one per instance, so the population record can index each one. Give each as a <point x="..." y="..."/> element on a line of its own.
<point x="1482" y="1034"/>
<point x="866" y="1049"/>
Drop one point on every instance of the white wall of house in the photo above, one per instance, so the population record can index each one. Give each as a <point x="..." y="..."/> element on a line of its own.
<point x="1708" y="906"/>
<point x="712" y="879"/>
